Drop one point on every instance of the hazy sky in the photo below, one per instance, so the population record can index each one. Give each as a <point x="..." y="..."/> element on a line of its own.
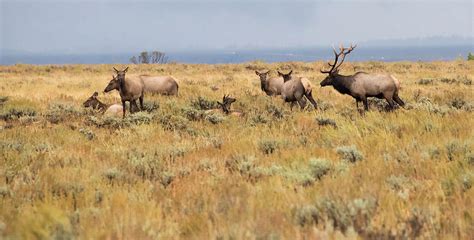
<point x="131" y="26"/>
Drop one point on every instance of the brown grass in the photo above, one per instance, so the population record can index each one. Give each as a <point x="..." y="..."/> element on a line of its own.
<point x="175" y="172"/>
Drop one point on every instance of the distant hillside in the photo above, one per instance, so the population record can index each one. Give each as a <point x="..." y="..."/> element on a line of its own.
<point x="426" y="41"/>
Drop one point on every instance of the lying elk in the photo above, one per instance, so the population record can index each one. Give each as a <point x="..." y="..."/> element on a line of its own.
<point x="295" y="89"/>
<point x="111" y="110"/>
<point x="225" y="106"/>
<point x="362" y="85"/>
<point x="164" y="85"/>
<point x="271" y="86"/>
<point x="130" y="89"/>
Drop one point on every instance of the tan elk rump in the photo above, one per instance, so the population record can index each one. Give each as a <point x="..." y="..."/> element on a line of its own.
<point x="164" y="85"/>
<point x="295" y="89"/>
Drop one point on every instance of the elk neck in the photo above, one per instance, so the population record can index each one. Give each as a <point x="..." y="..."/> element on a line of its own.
<point x="343" y="83"/>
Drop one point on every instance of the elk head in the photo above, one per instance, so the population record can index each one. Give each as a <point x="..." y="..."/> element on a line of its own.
<point x="263" y="75"/>
<point x="121" y="74"/>
<point x="92" y="101"/>
<point x="286" y="77"/>
<point x="113" y="84"/>
<point x="333" y="71"/>
<point x="226" y="102"/>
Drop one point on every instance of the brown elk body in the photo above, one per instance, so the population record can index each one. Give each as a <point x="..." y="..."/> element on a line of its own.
<point x="362" y="85"/>
<point x="295" y="89"/>
<point x="130" y="89"/>
<point x="111" y="110"/>
<point x="271" y="86"/>
<point x="164" y="85"/>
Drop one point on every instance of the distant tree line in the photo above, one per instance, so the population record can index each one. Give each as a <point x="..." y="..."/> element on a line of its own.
<point x="149" y="57"/>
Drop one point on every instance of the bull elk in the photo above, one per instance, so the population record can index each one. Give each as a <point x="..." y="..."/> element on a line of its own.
<point x="111" y="110"/>
<point x="130" y="89"/>
<point x="362" y="85"/>
<point x="295" y="89"/>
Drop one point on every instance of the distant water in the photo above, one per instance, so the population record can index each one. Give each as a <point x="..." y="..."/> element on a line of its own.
<point x="388" y="54"/>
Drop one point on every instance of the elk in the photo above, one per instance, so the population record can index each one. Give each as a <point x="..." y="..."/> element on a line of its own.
<point x="164" y="85"/>
<point x="130" y="89"/>
<point x="295" y="88"/>
<point x="111" y="110"/>
<point x="362" y="85"/>
<point x="225" y="106"/>
<point x="271" y="86"/>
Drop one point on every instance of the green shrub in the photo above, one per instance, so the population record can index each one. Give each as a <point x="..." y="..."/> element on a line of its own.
<point x="268" y="146"/>
<point x="215" y="118"/>
<point x="87" y="133"/>
<point x="192" y="114"/>
<point x="326" y="122"/>
<point x="349" y="153"/>
<point x="426" y="81"/>
<point x="151" y="106"/>
<point x="202" y="103"/>
<point x="14" y="113"/>
<point x="319" y="167"/>
<point x="307" y="215"/>
<point x="59" y="112"/>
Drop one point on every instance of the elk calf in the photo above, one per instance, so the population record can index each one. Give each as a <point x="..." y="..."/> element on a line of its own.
<point x="295" y="89"/>
<point x="362" y="85"/>
<point x="225" y="107"/>
<point x="111" y="110"/>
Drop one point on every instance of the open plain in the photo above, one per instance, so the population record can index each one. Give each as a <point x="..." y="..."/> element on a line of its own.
<point x="176" y="170"/>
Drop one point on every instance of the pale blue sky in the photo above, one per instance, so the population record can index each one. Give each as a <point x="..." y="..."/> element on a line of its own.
<point x="131" y="26"/>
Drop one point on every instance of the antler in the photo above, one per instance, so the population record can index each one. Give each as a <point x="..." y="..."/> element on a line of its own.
<point x="347" y="51"/>
<point x="343" y="52"/>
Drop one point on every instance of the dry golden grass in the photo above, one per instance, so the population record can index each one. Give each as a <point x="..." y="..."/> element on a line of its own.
<point x="175" y="172"/>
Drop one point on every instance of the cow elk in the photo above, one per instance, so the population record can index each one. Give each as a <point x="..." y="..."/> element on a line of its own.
<point x="295" y="89"/>
<point x="130" y="89"/>
<point x="164" y="85"/>
<point x="362" y="85"/>
<point x="271" y="86"/>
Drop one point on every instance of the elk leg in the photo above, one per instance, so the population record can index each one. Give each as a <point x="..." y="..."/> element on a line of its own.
<point x="309" y="96"/>
<point x="366" y="103"/>
<point x="123" y="107"/>
<point x="291" y="105"/>
<point x="391" y="103"/>
<point x="398" y="100"/>
<point x="302" y="102"/>
<point x="141" y="103"/>
<point x="135" y="106"/>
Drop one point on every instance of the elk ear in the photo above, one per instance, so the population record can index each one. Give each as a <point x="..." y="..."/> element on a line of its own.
<point x="220" y="104"/>
<point x="279" y="73"/>
<point x="126" y="69"/>
<point x="290" y="72"/>
<point x="256" y="72"/>
<point x="116" y="70"/>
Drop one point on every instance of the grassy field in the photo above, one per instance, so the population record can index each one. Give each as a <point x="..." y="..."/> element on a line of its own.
<point x="174" y="171"/>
